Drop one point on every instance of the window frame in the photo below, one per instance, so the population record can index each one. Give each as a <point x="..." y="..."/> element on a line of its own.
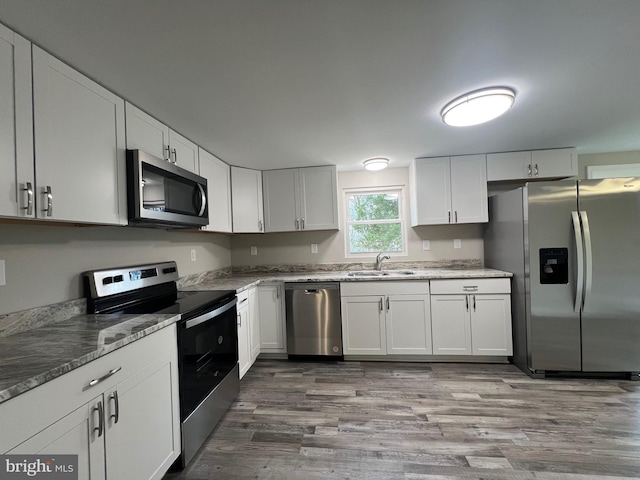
<point x="347" y="192"/>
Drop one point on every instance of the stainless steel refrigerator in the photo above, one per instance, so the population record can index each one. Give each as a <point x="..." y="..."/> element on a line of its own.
<point x="574" y="250"/>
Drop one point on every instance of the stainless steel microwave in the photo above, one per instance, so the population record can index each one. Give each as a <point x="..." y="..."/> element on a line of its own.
<point x="161" y="194"/>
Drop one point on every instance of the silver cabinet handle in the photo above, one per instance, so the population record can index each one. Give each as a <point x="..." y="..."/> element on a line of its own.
<point x="100" y="409"/>
<point x="239" y="320"/>
<point x="466" y="298"/>
<point x="260" y="225"/>
<point x="110" y="373"/>
<point x="536" y="169"/>
<point x="116" y="414"/>
<point x="175" y="156"/>
<point x="456" y="217"/>
<point x="588" y="274"/>
<point x="474" y="303"/>
<point x="577" y="231"/>
<point x="203" y="200"/>
<point x="381" y="307"/>
<point x="388" y="307"/>
<point x="47" y="192"/>
<point x="168" y="150"/>
<point x="29" y="190"/>
<point x="302" y="222"/>
<point x="449" y="216"/>
<point x="529" y="170"/>
<point x="470" y="288"/>
<point x="297" y="224"/>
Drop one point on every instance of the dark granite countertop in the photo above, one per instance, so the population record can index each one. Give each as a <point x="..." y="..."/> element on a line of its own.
<point x="31" y="358"/>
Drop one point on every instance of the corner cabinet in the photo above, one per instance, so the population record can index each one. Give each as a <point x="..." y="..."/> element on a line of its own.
<point x="385" y="318"/>
<point x="79" y="127"/>
<point x="471" y="317"/>
<point x="449" y="190"/>
<point x="133" y="408"/>
<point x="16" y="127"/>
<point x="300" y="199"/>
<point x="246" y="200"/>
<point x="532" y="165"/>
<point x="152" y="136"/>
<point x="218" y="175"/>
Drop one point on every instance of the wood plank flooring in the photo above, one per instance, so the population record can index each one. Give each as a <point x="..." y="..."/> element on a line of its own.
<point x="387" y="421"/>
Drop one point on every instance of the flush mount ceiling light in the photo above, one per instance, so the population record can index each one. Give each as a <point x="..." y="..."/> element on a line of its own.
<point x="377" y="163"/>
<point x="478" y="107"/>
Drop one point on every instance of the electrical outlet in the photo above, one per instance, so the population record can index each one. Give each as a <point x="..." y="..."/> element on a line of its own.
<point x="193" y="254"/>
<point x="426" y="245"/>
<point x="3" y="278"/>
<point x="457" y="243"/>
<point x="254" y="250"/>
<point x="314" y="248"/>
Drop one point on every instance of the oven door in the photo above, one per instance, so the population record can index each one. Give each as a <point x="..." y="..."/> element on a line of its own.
<point x="161" y="193"/>
<point x="207" y="351"/>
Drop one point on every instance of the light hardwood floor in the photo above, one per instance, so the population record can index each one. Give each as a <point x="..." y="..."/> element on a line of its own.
<point x="387" y="421"/>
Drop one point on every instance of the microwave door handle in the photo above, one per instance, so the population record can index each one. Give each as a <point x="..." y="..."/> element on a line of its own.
<point x="577" y="230"/>
<point x="203" y="200"/>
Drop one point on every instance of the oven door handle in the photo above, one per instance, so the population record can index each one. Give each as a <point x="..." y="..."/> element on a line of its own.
<point x="209" y="315"/>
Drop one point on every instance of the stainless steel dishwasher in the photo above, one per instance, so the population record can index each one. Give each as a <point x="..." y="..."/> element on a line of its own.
<point x="314" y="323"/>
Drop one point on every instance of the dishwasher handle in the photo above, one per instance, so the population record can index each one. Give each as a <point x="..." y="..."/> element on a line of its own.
<point x="310" y="291"/>
<point x="312" y="287"/>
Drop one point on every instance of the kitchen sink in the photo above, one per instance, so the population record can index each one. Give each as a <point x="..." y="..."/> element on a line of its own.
<point x="375" y="273"/>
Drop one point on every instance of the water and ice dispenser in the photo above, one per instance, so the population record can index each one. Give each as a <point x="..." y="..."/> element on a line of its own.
<point x="554" y="265"/>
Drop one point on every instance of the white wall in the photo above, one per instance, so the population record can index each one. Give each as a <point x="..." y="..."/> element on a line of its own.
<point x="44" y="262"/>
<point x="295" y="247"/>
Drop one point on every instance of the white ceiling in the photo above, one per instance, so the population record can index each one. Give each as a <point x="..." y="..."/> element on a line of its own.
<point x="282" y="83"/>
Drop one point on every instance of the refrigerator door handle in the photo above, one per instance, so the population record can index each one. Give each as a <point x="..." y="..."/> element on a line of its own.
<point x="577" y="230"/>
<point x="588" y="277"/>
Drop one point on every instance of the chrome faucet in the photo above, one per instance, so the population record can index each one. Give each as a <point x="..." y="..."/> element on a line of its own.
<point x="379" y="259"/>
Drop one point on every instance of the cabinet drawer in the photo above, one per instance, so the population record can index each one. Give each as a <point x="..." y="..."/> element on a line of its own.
<point x="51" y="401"/>
<point x="384" y="287"/>
<point x="243" y="299"/>
<point x="471" y="285"/>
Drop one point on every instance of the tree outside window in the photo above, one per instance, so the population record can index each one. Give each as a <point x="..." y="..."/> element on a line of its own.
<point x="374" y="221"/>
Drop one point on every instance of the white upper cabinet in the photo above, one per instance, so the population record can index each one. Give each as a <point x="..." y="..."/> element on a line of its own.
<point x="16" y="127"/>
<point x="218" y="175"/>
<point x="152" y="136"/>
<point x="532" y="165"/>
<point x="79" y="136"/>
<point x="448" y="190"/>
<point x="246" y="200"/>
<point x="300" y="199"/>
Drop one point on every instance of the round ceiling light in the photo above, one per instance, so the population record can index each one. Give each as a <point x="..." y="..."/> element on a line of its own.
<point x="377" y="163"/>
<point x="478" y="107"/>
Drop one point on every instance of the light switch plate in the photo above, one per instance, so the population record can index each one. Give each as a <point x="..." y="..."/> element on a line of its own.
<point x="254" y="250"/>
<point x="426" y="245"/>
<point x="314" y="248"/>
<point x="457" y="243"/>
<point x="3" y="278"/>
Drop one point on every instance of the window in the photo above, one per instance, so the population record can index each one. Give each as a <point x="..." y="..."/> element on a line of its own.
<point x="374" y="221"/>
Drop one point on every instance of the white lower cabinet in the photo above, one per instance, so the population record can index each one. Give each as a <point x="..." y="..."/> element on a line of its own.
<point x="385" y="317"/>
<point x="272" y="323"/>
<point x="471" y="317"/>
<point x="248" y="329"/>
<point x="125" y="426"/>
<point x="254" y="324"/>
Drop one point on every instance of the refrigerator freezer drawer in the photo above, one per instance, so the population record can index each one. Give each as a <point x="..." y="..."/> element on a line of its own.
<point x="471" y="285"/>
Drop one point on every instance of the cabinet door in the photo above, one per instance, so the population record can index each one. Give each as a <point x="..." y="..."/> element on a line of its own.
<point x="16" y="126"/>
<point x="318" y="198"/>
<point x="491" y="325"/>
<point x="244" y="349"/>
<point x="408" y="324"/>
<point x="272" y="326"/>
<point x="469" y="200"/>
<point x="79" y="145"/>
<point x="508" y="166"/>
<point x="142" y="415"/>
<point x="146" y="133"/>
<point x="75" y="434"/>
<point x="280" y="200"/>
<point x="218" y="175"/>
<point x="450" y="325"/>
<point x="184" y="152"/>
<point x="254" y="324"/>
<point x="363" y="326"/>
<point x="561" y="162"/>
<point x="431" y="192"/>
<point x="246" y="200"/>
